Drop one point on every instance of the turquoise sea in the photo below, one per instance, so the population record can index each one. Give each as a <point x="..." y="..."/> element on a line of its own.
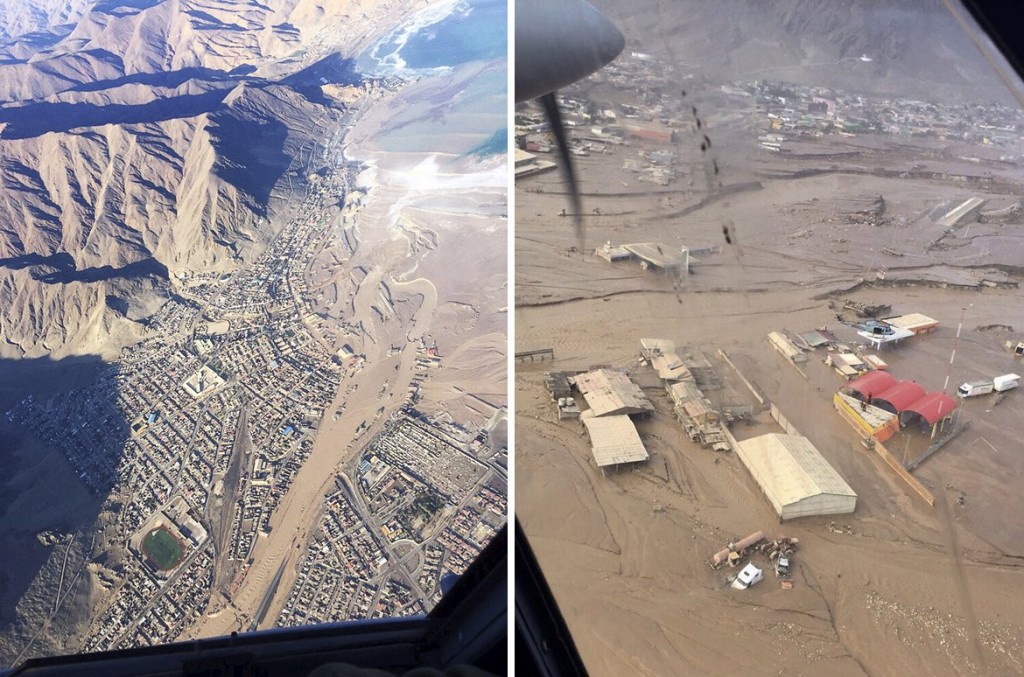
<point x="463" y="50"/>
<point x="476" y="30"/>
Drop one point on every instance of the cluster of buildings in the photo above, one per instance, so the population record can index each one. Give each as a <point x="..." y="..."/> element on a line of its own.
<point x="879" y="406"/>
<point x="851" y="360"/>
<point x="467" y="534"/>
<point x="418" y="484"/>
<point x="876" y="404"/>
<point x="146" y="610"/>
<point x="645" y="131"/>
<point x="648" y="122"/>
<point x="342" y="573"/>
<point x="873" y="401"/>
<point x="235" y="367"/>
<point x="613" y="400"/>
<point x="794" y="111"/>
<point x="792" y="474"/>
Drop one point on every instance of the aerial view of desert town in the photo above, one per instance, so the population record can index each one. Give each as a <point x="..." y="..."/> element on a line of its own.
<point x="767" y="407"/>
<point x="241" y="385"/>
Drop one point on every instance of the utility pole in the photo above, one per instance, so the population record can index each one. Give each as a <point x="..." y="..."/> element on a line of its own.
<point x="956" y="344"/>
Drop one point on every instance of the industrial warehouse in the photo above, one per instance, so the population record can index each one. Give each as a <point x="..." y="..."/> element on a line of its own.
<point x="795" y="477"/>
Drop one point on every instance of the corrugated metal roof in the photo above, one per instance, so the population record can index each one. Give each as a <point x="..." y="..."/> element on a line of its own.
<point x="656" y="254"/>
<point x="653" y="346"/>
<point x="789" y="469"/>
<point x="614" y="440"/>
<point x="611" y="392"/>
<point x="960" y="211"/>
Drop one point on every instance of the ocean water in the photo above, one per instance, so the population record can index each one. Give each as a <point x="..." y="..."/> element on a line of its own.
<point x="448" y="35"/>
<point x="496" y="144"/>
<point x="454" y="118"/>
<point x="454" y="55"/>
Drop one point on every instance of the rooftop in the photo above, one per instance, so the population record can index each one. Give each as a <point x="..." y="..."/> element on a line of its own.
<point x="654" y="346"/>
<point x="611" y="392"/>
<point x="614" y="440"/>
<point x="912" y="321"/>
<point x="658" y="255"/>
<point x="670" y="367"/>
<point x="789" y="469"/>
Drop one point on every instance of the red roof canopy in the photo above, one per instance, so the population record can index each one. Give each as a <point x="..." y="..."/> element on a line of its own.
<point x="900" y="396"/>
<point x="872" y="383"/>
<point x="933" y="407"/>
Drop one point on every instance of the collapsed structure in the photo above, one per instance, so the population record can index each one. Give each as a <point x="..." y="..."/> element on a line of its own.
<point x="652" y="256"/>
<point x="684" y="379"/>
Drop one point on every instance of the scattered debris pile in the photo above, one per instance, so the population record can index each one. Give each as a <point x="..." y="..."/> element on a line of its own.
<point x="734" y="552"/>
<point x="870" y="212"/>
<point x="865" y="310"/>
<point x="1011" y="214"/>
<point x="779" y="553"/>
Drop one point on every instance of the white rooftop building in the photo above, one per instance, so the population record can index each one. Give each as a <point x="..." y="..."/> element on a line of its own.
<point x="795" y="477"/>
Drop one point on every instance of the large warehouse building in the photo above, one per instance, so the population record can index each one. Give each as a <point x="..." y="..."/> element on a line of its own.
<point x="795" y="477"/>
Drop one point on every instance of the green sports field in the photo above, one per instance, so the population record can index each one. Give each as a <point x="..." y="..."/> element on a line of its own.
<point x="163" y="548"/>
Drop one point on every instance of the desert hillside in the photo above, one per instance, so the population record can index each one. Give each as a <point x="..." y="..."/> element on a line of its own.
<point x="141" y="140"/>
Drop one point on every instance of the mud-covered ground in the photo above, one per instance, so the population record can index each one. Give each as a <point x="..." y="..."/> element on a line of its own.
<point x="895" y="588"/>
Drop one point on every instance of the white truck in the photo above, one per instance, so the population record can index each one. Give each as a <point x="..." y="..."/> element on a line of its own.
<point x="997" y="384"/>
<point x="747" y="577"/>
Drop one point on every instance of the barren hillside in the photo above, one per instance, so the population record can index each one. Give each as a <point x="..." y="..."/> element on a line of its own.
<point x="142" y="139"/>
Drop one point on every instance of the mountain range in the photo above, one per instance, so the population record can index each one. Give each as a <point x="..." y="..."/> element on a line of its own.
<point x="143" y="138"/>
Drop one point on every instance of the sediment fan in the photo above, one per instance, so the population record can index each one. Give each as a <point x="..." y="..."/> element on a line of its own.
<point x="557" y="44"/>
